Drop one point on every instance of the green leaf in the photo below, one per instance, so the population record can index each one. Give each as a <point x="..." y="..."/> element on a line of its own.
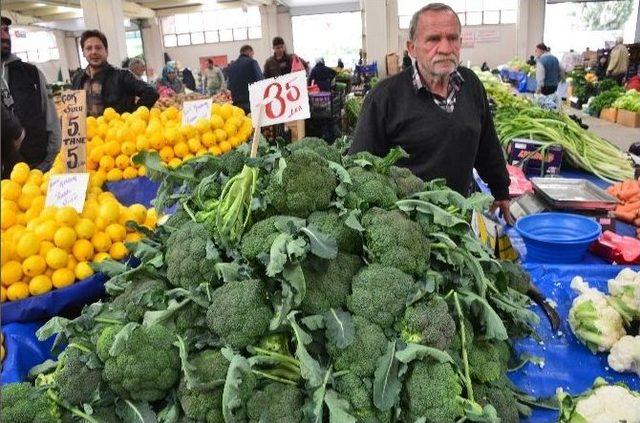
<point x="340" y="327"/>
<point x="343" y="177"/>
<point x="163" y="317"/>
<point x="438" y="215"/>
<point x="110" y="267"/>
<point x="54" y="326"/>
<point x="283" y="303"/>
<point x="386" y="383"/>
<point x="476" y="413"/>
<point x="278" y="254"/>
<point x="170" y="413"/>
<point x="231" y="394"/>
<point x="188" y="369"/>
<point x="292" y="273"/>
<point x="315" y="322"/>
<point x="353" y="220"/>
<point x="321" y="245"/>
<point x="309" y="367"/>
<point x="315" y="405"/>
<point x="418" y="352"/>
<point x="135" y="411"/>
<point x="494" y="327"/>
<point x="338" y="408"/>
<point x="121" y="338"/>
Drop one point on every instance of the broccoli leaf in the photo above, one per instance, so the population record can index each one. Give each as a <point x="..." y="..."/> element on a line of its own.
<point x="438" y="215"/>
<point x="418" y="352"/>
<point x="353" y="220"/>
<point x="313" y="409"/>
<point x="386" y="384"/>
<point x="292" y="273"/>
<point x="283" y="303"/>
<point x="338" y="408"/>
<point x="135" y="411"/>
<point x="494" y="327"/>
<point x="315" y="322"/>
<point x="121" y="338"/>
<point x="309" y="367"/>
<point x="231" y="394"/>
<point x="321" y="245"/>
<point x="340" y="328"/>
<point x="343" y="176"/>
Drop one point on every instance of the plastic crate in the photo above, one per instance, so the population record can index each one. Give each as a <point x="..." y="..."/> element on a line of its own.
<point x="320" y="105"/>
<point x="337" y="104"/>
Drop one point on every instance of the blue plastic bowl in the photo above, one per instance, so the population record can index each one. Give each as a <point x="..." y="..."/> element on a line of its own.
<point x="557" y="237"/>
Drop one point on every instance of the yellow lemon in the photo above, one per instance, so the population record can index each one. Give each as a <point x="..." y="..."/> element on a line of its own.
<point x="225" y="147"/>
<point x="142" y="171"/>
<point x="234" y="141"/>
<point x="166" y="153"/>
<point x="112" y="148"/>
<point x="83" y="270"/>
<point x="45" y="246"/>
<point x="3" y="298"/>
<point x="116" y="232"/>
<point x="114" y="175"/>
<point x="71" y="262"/>
<point x="226" y="111"/>
<point x="175" y="162"/>
<point x="101" y="242"/>
<point x="96" y="154"/>
<point x="238" y="112"/>
<point x="67" y="216"/>
<point x="194" y="145"/>
<point x="142" y="143"/>
<point x="34" y="265"/>
<point x="171" y="113"/>
<point x="11" y="190"/>
<point x="30" y="189"/>
<point x="24" y="202"/>
<point x="152" y="218"/>
<point x="56" y="258"/>
<point x="83" y="250"/>
<point x="37" y="203"/>
<point x="20" y="173"/>
<point x="64" y="237"/>
<point x="18" y="291"/>
<point x="41" y="284"/>
<point x="46" y="230"/>
<point x="107" y="163"/>
<point x="171" y="135"/>
<point x="109" y="114"/>
<point x="90" y="210"/>
<point x="215" y="150"/>
<point x="133" y="237"/>
<point x="208" y="139"/>
<point x="215" y="109"/>
<point x="221" y="135"/>
<point x="101" y="257"/>
<point x="118" y="251"/>
<point x="122" y="162"/>
<point x="138" y="126"/>
<point x="203" y="125"/>
<point x="188" y="131"/>
<point x="217" y="122"/>
<point x="188" y="157"/>
<point x="181" y="149"/>
<point x="155" y="140"/>
<point x="138" y="213"/>
<point x="28" y="244"/>
<point x="128" y="148"/>
<point x="230" y="129"/>
<point x="62" y="278"/>
<point x="142" y="113"/>
<point x="8" y="218"/>
<point x="130" y="173"/>
<point x="4" y="251"/>
<point x="11" y="272"/>
<point x="85" y="228"/>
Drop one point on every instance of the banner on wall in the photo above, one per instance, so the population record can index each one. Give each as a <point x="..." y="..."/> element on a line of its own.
<point x="472" y="37"/>
<point x="220" y="61"/>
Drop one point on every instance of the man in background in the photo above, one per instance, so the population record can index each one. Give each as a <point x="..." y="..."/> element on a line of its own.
<point x="281" y="62"/>
<point x="322" y="75"/>
<point x="12" y="135"/>
<point x="548" y="71"/>
<point x="618" y="62"/>
<point x="214" y="79"/>
<point x="242" y="72"/>
<point x="24" y="93"/>
<point x="139" y="68"/>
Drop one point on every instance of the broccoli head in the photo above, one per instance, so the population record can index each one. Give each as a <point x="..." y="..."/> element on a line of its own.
<point x="147" y="365"/>
<point x="517" y="277"/>
<point x="186" y="257"/>
<point x="24" y="403"/>
<point x="369" y="189"/>
<point x="276" y="403"/>
<point x="330" y="223"/>
<point x="362" y="355"/>
<point x="432" y="390"/>
<point x="428" y="323"/>
<point x="317" y="145"/>
<point x="140" y="296"/>
<point x="205" y="405"/>
<point x="105" y="340"/>
<point x="392" y="239"/>
<point x="359" y="393"/>
<point x="258" y="239"/>
<point x="75" y="381"/>
<point x="406" y="182"/>
<point x="306" y="184"/>
<point x="328" y="282"/>
<point x="191" y="319"/>
<point x="488" y="360"/>
<point x="231" y="163"/>
<point x="240" y="312"/>
<point x="379" y="293"/>
<point x="501" y="398"/>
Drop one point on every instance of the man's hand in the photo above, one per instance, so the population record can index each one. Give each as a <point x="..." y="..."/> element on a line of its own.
<point x="503" y="205"/>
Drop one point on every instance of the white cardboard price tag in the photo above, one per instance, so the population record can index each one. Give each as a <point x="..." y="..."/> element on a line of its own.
<point x="283" y="99"/>
<point x="67" y="189"/>
<point x="194" y="110"/>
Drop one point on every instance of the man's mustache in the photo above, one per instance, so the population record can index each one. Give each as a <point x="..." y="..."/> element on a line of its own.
<point x="452" y="59"/>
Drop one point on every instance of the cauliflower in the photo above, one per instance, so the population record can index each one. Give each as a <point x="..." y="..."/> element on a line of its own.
<point x="592" y="319"/>
<point x="602" y="404"/>
<point x="625" y="294"/>
<point x="625" y="355"/>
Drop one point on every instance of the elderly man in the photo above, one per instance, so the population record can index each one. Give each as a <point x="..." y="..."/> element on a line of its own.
<point x="24" y="94"/>
<point x="618" y="62"/>
<point x="548" y="71"/>
<point x="437" y="111"/>
<point x="139" y="68"/>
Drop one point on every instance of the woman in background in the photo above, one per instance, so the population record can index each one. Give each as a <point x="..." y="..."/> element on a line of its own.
<point x="169" y="83"/>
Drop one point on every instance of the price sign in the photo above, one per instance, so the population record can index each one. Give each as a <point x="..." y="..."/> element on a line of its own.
<point x="74" y="130"/>
<point x="67" y="189"/>
<point x="281" y="99"/>
<point x="194" y="110"/>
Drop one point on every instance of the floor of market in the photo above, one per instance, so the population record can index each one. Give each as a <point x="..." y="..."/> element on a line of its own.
<point x="619" y="135"/>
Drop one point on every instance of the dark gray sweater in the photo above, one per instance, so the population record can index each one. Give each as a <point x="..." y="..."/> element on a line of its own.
<point x="439" y="144"/>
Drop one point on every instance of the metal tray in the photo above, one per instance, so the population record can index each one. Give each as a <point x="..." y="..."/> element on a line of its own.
<point x="573" y="194"/>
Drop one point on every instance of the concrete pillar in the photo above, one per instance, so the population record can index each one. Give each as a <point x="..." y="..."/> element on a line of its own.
<point x="530" y="26"/>
<point x="393" y="29"/>
<point x="269" y="18"/>
<point x="107" y="16"/>
<point x="375" y="28"/>
<point x="153" y="47"/>
<point x="62" y="50"/>
<point x="636" y="39"/>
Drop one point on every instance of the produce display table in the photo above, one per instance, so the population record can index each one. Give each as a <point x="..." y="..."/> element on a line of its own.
<point x="23" y="350"/>
<point x="140" y="190"/>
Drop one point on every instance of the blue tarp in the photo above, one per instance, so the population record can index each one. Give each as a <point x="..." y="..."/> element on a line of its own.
<point x="568" y="364"/>
<point x="137" y="190"/>
<point x="43" y="307"/>
<point x="23" y="351"/>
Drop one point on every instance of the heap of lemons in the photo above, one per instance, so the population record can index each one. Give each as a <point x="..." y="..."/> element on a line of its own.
<point x="48" y="247"/>
<point x="113" y="139"/>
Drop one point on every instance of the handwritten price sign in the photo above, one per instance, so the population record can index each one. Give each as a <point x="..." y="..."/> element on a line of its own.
<point x="74" y="131"/>
<point x="282" y="99"/>
<point x="194" y="110"/>
<point x="67" y="189"/>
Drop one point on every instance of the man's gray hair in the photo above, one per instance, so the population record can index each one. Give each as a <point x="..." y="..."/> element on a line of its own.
<point x="431" y="7"/>
<point x="136" y="61"/>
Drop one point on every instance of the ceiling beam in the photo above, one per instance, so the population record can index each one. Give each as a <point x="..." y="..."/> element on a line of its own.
<point x="164" y="4"/>
<point x="42" y="12"/>
<point x="19" y="18"/>
<point x="21" y="6"/>
<point x="134" y="10"/>
<point x="62" y="16"/>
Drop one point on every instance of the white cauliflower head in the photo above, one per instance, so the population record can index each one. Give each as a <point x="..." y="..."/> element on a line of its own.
<point x="602" y="404"/>
<point x="592" y="319"/>
<point x="625" y="355"/>
<point x="625" y="294"/>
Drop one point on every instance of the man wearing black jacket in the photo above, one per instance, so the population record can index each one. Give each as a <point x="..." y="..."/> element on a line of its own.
<point x="243" y="72"/>
<point x="108" y="86"/>
<point x="437" y="111"/>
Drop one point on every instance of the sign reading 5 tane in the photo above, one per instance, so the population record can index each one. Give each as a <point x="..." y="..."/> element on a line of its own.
<point x="281" y="99"/>
<point x="74" y="129"/>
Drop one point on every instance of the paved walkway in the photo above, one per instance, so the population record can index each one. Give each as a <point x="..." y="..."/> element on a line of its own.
<point x="619" y="135"/>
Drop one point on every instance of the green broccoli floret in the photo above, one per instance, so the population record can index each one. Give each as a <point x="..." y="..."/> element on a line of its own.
<point x="258" y="239"/>
<point x="369" y="189"/>
<point x="205" y="404"/>
<point x="276" y="403"/>
<point x="488" y="361"/>
<point x="191" y="319"/>
<point x="359" y="393"/>
<point x="380" y="294"/>
<point x="140" y="296"/>
<point x="392" y="239"/>
<point x="240" y="312"/>
<point x="75" y="381"/>
<point x="177" y="219"/>
<point x="330" y="223"/>
<point x="517" y="277"/>
<point x="362" y="355"/>
<point x="306" y="184"/>
<point x="328" y="282"/>
<point x="106" y="415"/>
<point x="105" y="340"/>
<point x="147" y="366"/>
<point x="432" y="390"/>
<point x="406" y="182"/>
<point x="24" y="403"/>
<point x="231" y="163"/>
<point x="501" y="398"/>
<point x="428" y="323"/>
<point x="317" y="145"/>
<point x="187" y="263"/>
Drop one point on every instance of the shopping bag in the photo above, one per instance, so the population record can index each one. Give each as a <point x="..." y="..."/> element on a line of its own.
<point x="296" y="64"/>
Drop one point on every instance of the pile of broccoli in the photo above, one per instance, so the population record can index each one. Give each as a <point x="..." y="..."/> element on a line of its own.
<point x="351" y="296"/>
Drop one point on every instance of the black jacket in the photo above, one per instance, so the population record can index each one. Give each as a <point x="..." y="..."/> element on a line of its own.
<point x="120" y="89"/>
<point x="323" y="76"/>
<point x="242" y="72"/>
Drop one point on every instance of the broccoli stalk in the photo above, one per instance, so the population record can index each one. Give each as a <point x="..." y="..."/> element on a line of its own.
<point x="273" y="360"/>
<point x="463" y="346"/>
